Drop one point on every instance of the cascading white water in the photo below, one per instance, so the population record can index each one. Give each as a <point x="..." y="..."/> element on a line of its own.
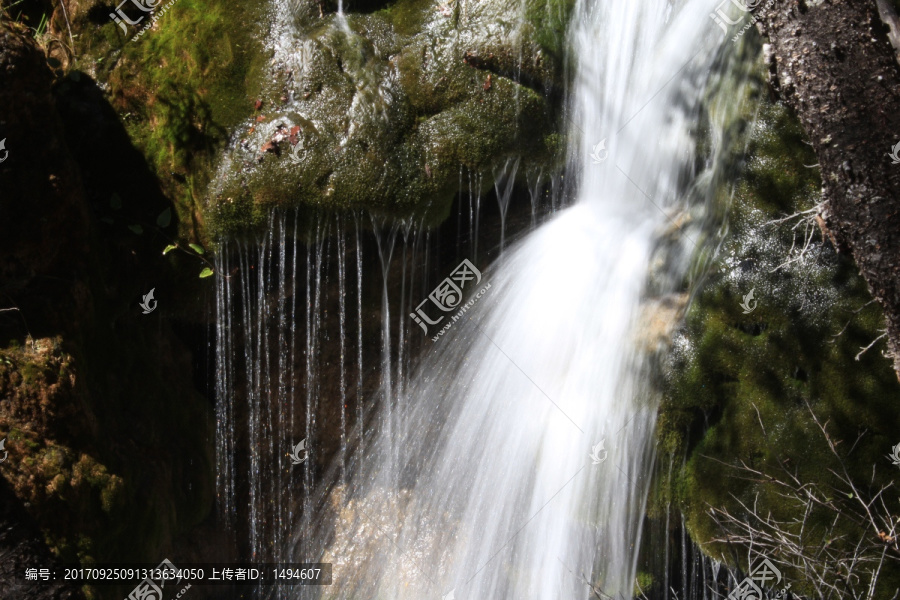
<point x="478" y="478"/>
<point x="484" y="486"/>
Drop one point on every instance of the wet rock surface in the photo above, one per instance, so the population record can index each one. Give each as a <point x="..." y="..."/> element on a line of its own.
<point x="382" y="110"/>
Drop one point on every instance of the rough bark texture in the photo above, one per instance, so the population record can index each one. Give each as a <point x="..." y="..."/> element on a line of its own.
<point x="833" y="63"/>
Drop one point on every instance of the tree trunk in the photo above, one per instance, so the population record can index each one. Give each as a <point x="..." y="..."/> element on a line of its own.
<point x="832" y="62"/>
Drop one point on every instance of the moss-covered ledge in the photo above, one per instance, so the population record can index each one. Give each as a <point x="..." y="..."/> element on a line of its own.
<point x="382" y="111"/>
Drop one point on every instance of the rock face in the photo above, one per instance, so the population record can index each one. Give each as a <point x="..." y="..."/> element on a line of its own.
<point x="383" y="110"/>
<point x="43" y="225"/>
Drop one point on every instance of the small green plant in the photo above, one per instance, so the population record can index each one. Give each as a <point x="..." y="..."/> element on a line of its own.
<point x="194" y="250"/>
<point x="41" y="29"/>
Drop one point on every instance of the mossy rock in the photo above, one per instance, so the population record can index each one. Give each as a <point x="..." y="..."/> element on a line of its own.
<point x="179" y="87"/>
<point x="82" y="493"/>
<point x="381" y="111"/>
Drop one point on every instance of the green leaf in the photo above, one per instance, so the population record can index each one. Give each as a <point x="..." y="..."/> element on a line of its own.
<point x="164" y="218"/>
<point x="169" y="248"/>
<point x="198" y="249"/>
<point x="206" y="272"/>
<point x="136" y="228"/>
<point x="115" y="202"/>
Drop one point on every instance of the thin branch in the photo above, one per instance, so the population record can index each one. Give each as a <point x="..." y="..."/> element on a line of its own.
<point x="69" y="27"/>
<point x="846" y="325"/>
<point x="869" y="347"/>
<point x="834" y="563"/>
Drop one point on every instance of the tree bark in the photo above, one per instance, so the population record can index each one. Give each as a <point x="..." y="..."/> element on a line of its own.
<point x="832" y="62"/>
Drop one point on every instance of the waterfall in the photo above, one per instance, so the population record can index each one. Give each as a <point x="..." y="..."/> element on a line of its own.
<point x="514" y="462"/>
<point x="512" y="459"/>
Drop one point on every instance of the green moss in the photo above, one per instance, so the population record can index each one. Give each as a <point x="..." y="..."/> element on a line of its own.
<point x="643" y="583"/>
<point x="123" y="499"/>
<point x="181" y="87"/>
<point x="742" y="388"/>
<point x="550" y="20"/>
<point x="407" y="16"/>
<point x="389" y="115"/>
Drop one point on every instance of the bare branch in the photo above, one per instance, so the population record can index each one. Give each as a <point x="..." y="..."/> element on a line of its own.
<point x="867" y="348"/>
<point x="834" y="561"/>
